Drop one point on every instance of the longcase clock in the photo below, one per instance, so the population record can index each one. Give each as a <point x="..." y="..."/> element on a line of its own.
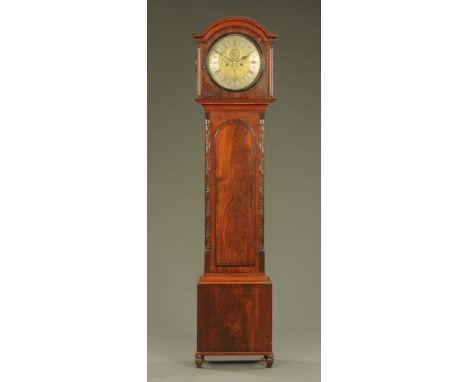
<point x="235" y="87"/>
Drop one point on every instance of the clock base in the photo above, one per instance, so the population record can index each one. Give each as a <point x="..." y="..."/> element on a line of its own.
<point x="234" y="316"/>
<point x="200" y="356"/>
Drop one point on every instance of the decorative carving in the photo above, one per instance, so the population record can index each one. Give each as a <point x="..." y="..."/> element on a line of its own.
<point x="261" y="247"/>
<point x="199" y="360"/>
<point x="207" y="182"/>
<point x="207" y="145"/>
<point x="261" y="185"/>
<point x="262" y="129"/>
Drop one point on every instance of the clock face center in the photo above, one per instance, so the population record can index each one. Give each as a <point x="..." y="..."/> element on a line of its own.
<point x="234" y="54"/>
<point x="236" y="66"/>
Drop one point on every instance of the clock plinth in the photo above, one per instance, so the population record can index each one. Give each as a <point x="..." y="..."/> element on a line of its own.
<point x="234" y="297"/>
<point x="234" y="316"/>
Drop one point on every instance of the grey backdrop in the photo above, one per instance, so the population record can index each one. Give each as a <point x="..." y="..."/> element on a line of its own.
<point x="176" y="189"/>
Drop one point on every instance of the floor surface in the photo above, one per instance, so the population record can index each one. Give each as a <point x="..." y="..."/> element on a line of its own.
<point x="168" y="363"/>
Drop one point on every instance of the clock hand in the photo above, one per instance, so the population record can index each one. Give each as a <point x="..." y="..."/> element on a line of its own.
<point x="244" y="57"/>
<point x="223" y="55"/>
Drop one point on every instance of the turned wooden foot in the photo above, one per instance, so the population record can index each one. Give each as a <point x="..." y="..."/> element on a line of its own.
<point x="199" y="360"/>
<point x="269" y="360"/>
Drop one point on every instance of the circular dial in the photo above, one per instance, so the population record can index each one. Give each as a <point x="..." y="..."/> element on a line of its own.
<point x="235" y="62"/>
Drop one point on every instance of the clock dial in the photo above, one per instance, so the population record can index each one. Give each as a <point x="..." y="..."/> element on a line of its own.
<point x="235" y="62"/>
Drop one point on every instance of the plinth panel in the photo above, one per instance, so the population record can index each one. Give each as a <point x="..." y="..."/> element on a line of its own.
<point x="234" y="318"/>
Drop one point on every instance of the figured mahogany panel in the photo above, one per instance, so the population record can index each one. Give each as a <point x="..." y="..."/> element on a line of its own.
<point x="234" y="318"/>
<point x="235" y="198"/>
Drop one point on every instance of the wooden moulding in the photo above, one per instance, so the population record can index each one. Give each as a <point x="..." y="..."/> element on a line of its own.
<point x="234" y="278"/>
<point x="237" y="22"/>
<point x="259" y="105"/>
<point x="200" y="356"/>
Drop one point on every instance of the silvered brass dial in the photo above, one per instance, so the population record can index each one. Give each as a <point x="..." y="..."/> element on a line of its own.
<point x="235" y="62"/>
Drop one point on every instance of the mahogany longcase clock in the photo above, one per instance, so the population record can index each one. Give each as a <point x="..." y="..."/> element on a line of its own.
<point x="235" y="86"/>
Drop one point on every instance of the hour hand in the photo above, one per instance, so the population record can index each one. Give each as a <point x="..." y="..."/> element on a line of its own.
<point x="244" y="57"/>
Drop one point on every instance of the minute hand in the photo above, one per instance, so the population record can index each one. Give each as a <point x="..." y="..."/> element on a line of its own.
<point x="223" y="55"/>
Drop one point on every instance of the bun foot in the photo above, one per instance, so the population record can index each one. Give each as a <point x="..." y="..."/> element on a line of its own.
<point x="269" y="360"/>
<point x="199" y="360"/>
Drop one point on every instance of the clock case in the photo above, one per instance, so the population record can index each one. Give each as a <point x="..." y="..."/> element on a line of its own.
<point x="234" y="296"/>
